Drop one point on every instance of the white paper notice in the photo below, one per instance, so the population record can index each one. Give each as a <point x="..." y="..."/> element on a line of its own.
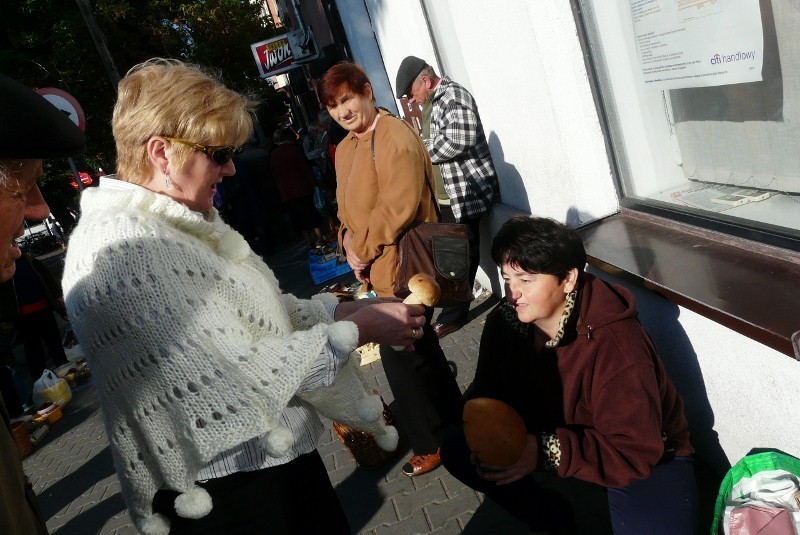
<point x="698" y="43"/>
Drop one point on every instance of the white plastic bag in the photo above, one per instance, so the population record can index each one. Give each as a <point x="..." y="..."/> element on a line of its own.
<point x="75" y="353"/>
<point x="47" y="380"/>
<point x="51" y="388"/>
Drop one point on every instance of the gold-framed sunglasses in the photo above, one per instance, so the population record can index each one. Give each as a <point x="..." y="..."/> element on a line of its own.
<point x="219" y="154"/>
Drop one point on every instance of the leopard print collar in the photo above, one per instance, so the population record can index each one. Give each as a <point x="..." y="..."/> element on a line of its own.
<point x="569" y="306"/>
<point x="510" y="317"/>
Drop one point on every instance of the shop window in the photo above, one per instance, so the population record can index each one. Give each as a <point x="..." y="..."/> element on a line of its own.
<point x="702" y="105"/>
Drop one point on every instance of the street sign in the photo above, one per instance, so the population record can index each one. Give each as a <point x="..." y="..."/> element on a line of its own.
<point x="273" y="56"/>
<point x="66" y="103"/>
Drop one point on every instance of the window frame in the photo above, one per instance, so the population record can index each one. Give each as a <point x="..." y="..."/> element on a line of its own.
<point x="765" y="233"/>
<point x="733" y="238"/>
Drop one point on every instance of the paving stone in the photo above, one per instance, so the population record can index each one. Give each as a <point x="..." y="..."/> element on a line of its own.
<point x="120" y="524"/>
<point x="453" y="526"/>
<point x="329" y="462"/>
<point x="369" y="514"/>
<point x="425" y="479"/>
<point x="442" y="512"/>
<point x="112" y="488"/>
<point x="422" y="496"/>
<point x="343" y="458"/>
<point x="338" y="475"/>
<point x="398" y="485"/>
<point x="414" y="524"/>
<point x="330" y="447"/>
<point x="454" y="487"/>
<point x="87" y="499"/>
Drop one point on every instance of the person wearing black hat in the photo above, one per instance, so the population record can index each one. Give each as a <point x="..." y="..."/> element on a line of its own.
<point x="30" y="129"/>
<point x="466" y="181"/>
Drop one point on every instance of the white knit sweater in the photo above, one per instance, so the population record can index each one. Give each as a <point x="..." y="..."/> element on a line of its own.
<point x="193" y="347"/>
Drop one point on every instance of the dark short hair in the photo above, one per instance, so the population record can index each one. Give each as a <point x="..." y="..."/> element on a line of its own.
<point x="539" y="245"/>
<point x="344" y="76"/>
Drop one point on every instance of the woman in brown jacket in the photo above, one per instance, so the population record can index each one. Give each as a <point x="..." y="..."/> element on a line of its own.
<point x="381" y="171"/>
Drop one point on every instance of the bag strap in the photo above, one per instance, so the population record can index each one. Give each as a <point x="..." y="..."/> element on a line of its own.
<point x="427" y="178"/>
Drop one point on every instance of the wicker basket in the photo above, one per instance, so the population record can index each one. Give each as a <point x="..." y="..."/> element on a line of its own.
<point x="22" y="438"/>
<point x="362" y="445"/>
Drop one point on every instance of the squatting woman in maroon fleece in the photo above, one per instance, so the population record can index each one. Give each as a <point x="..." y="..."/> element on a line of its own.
<point x="567" y="352"/>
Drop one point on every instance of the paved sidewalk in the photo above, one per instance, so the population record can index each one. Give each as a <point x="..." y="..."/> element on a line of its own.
<point x="73" y="474"/>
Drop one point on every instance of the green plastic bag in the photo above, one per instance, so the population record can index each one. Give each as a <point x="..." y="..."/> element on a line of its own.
<point x="748" y="466"/>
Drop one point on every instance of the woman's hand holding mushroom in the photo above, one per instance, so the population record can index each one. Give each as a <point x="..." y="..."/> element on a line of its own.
<point x="424" y="291"/>
<point x="388" y="323"/>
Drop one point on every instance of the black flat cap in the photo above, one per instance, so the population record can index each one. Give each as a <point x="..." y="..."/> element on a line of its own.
<point x="408" y="71"/>
<point x="32" y="128"/>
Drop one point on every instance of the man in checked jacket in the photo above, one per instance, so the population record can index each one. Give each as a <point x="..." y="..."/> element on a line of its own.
<point x="466" y="181"/>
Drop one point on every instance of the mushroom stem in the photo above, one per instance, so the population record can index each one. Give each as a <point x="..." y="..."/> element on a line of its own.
<point x="412" y="299"/>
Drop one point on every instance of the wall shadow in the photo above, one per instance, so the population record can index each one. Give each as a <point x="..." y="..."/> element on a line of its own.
<point x="661" y="318"/>
<point x="512" y="188"/>
<point x="94" y="519"/>
<point x="71" y="487"/>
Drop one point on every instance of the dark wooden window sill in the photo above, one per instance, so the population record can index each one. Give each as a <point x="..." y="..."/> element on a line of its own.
<point x="748" y="287"/>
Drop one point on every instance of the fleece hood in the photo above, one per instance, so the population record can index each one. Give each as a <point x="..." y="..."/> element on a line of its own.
<point x="603" y="304"/>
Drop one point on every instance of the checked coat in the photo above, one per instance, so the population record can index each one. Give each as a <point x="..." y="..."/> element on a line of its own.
<point x="457" y="143"/>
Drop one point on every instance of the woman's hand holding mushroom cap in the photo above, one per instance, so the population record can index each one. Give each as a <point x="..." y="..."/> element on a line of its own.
<point x="503" y="475"/>
<point x="424" y="291"/>
<point x="388" y="323"/>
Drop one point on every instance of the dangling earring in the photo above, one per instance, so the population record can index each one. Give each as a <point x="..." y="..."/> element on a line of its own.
<point x="167" y="181"/>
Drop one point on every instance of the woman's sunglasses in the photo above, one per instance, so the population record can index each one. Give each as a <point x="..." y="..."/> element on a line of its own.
<point x="219" y="154"/>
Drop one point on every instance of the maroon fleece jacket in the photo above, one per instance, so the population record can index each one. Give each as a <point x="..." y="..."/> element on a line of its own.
<point x="603" y="390"/>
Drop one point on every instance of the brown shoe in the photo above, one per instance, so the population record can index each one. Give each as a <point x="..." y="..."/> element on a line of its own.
<point x="422" y="464"/>
<point x="443" y="329"/>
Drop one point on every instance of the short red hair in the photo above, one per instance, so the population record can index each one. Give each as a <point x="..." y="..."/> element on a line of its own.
<point x="342" y="77"/>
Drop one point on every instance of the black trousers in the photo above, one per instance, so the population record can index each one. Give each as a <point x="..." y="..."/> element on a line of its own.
<point x="296" y="498"/>
<point x="458" y="315"/>
<point x="425" y="390"/>
<point x="34" y="329"/>
<point x="542" y="509"/>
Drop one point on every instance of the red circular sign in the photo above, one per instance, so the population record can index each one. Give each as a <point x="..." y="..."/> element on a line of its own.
<point x="66" y="103"/>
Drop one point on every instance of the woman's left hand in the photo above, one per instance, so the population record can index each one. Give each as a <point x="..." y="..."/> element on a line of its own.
<point x="358" y="266"/>
<point x="503" y="475"/>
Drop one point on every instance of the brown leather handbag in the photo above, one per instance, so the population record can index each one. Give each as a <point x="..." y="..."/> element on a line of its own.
<point x="440" y="250"/>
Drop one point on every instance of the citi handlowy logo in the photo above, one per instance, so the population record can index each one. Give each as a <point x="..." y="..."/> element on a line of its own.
<point x="727" y="58"/>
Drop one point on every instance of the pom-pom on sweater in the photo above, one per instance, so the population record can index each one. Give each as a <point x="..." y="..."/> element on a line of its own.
<point x="193" y="347"/>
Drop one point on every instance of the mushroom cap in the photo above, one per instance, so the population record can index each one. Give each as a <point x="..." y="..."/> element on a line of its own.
<point x="494" y="431"/>
<point x="425" y="288"/>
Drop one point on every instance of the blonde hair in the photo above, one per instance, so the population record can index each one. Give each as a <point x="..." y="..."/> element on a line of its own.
<point x="167" y="97"/>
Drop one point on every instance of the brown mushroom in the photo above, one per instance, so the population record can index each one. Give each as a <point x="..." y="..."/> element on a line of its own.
<point x="424" y="291"/>
<point x="494" y="431"/>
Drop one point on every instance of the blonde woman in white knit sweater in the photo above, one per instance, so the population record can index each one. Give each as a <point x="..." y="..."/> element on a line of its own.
<point x="210" y="379"/>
